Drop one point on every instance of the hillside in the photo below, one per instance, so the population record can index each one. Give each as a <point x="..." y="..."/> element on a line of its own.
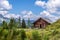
<point x="51" y="32"/>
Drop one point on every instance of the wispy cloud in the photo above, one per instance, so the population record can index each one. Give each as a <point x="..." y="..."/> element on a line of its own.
<point x="40" y="3"/>
<point x="28" y="14"/>
<point x="5" y="6"/>
<point x="51" y="7"/>
<point x="51" y="10"/>
<point x="12" y="16"/>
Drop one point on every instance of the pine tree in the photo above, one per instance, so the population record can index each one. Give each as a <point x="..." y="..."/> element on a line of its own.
<point x="29" y="23"/>
<point x="19" y="22"/>
<point x="12" y="23"/>
<point x="4" y="24"/>
<point x="23" y="23"/>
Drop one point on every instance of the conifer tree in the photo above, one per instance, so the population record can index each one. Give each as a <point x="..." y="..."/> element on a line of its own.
<point x="12" y="23"/>
<point x="4" y="24"/>
<point x="19" y="22"/>
<point x="29" y="23"/>
<point x="23" y="23"/>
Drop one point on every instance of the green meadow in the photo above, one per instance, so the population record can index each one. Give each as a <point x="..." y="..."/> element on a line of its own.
<point x="10" y="31"/>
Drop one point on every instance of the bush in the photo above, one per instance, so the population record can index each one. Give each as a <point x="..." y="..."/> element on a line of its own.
<point x="46" y="37"/>
<point x="29" y="34"/>
<point x="36" y="35"/>
<point x="23" y="35"/>
<point x="5" y="32"/>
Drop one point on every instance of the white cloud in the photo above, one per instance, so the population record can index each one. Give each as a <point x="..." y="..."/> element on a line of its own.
<point x="46" y="14"/>
<point x="28" y="14"/>
<point x="6" y="14"/>
<point x="4" y="7"/>
<point x="11" y="16"/>
<point x="51" y="6"/>
<point x="4" y="4"/>
<point x="3" y="12"/>
<point x="40" y="3"/>
<point x="24" y="12"/>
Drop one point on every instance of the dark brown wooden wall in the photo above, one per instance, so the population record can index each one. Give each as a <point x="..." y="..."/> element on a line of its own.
<point x="41" y="22"/>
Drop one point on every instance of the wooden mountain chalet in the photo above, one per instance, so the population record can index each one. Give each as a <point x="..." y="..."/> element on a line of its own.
<point x="41" y="23"/>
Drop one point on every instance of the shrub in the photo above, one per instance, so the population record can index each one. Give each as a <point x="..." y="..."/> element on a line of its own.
<point x="36" y="36"/>
<point x="23" y="35"/>
<point x="5" y="32"/>
<point x="29" y="34"/>
<point x="46" y="37"/>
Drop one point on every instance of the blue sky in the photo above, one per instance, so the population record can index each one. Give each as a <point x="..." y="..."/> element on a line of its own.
<point x="32" y="9"/>
<point x="21" y="5"/>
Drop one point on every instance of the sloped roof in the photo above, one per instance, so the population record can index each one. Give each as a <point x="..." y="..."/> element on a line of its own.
<point x="46" y="19"/>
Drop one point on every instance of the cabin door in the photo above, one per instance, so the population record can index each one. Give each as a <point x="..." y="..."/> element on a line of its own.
<point x="40" y="26"/>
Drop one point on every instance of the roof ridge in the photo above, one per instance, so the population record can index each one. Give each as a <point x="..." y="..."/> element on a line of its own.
<point x="48" y="20"/>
